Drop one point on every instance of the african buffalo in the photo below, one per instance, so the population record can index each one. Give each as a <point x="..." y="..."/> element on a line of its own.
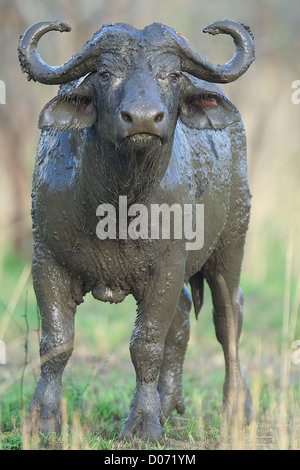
<point x="138" y="115"/>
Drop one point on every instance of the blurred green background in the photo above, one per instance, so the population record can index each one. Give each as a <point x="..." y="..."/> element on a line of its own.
<point x="270" y="278"/>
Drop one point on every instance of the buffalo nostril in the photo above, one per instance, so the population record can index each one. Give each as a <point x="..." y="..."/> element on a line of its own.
<point x="126" y="117"/>
<point x="159" y="117"/>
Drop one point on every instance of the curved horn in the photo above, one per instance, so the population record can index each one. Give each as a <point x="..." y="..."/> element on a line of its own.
<point x="195" y="64"/>
<point x="31" y="62"/>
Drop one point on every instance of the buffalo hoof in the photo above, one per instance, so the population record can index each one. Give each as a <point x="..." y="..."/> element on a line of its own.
<point x="41" y="421"/>
<point x="237" y="405"/>
<point x="171" y="401"/>
<point x="143" y="426"/>
<point x="145" y="417"/>
<point x="44" y="414"/>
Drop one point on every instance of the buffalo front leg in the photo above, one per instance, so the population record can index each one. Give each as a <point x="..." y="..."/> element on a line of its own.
<point x="52" y="286"/>
<point x="223" y="275"/>
<point x="154" y="317"/>
<point x="170" y="377"/>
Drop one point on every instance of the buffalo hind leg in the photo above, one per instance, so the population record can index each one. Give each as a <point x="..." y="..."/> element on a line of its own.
<point x="223" y="274"/>
<point x="170" y="378"/>
<point x="53" y="292"/>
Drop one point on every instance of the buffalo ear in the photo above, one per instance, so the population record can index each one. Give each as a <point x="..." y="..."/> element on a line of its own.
<point x="73" y="109"/>
<point x="65" y="114"/>
<point x="205" y="107"/>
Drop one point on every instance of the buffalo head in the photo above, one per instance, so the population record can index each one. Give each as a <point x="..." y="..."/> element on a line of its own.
<point x="134" y="84"/>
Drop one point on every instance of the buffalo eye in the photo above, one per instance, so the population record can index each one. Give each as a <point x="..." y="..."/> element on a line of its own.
<point x="174" y="77"/>
<point x="105" y="75"/>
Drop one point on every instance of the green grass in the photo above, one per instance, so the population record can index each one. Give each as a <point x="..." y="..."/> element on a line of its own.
<point x="99" y="379"/>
